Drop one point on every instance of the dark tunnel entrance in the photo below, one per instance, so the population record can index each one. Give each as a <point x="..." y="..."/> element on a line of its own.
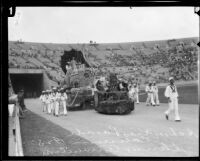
<point x="32" y="84"/>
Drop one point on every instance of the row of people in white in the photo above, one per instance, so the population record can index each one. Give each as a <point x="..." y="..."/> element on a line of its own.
<point x="54" y="101"/>
<point x="152" y="94"/>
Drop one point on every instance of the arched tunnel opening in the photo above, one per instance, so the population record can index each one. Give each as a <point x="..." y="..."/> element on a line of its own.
<point x="32" y="84"/>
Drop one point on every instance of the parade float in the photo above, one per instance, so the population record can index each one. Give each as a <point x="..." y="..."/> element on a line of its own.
<point x="79" y="79"/>
<point x="79" y="83"/>
<point x="113" y="101"/>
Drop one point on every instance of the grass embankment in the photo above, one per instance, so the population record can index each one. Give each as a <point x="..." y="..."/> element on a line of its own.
<point x="41" y="137"/>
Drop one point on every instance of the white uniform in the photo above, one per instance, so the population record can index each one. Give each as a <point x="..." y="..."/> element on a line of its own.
<point x="48" y="102"/>
<point x="155" y="95"/>
<point x="172" y="93"/>
<point x="133" y="94"/>
<point x="57" y="103"/>
<point x="51" y="99"/>
<point x="149" y="91"/>
<point x="42" y="98"/>
<point x="137" y="94"/>
<point x="64" y="103"/>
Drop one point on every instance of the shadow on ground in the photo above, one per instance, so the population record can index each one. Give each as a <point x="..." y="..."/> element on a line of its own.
<point x="41" y="137"/>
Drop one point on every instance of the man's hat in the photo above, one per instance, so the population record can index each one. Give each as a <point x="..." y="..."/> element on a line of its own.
<point x="171" y="78"/>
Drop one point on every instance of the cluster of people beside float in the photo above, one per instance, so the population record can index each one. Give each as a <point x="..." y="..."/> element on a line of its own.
<point x="133" y="89"/>
<point x="54" y="102"/>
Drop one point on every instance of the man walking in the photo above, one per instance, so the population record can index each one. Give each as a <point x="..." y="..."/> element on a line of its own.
<point x="133" y="93"/>
<point x="63" y="99"/>
<point x="149" y="91"/>
<point x="172" y="94"/>
<point x="42" y="98"/>
<point x="57" y="102"/>
<point x="155" y="93"/>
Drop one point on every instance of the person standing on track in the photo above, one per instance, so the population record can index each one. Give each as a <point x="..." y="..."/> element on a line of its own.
<point x="52" y="101"/>
<point x="42" y="98"/>
<point x="136" y="86"/>
<point x="149" y="91"/>
<point x="20" y="97"/>
<point x="57" y="102"/>
<point x="155" y="93"/>
<point x="172" y="94"/>
<point x="133" y="93"/>
<point x="48" y="102"/>
<point x="63" y="98"/>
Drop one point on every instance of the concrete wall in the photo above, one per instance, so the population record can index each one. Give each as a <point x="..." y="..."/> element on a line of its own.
<point x="25" y="71"/>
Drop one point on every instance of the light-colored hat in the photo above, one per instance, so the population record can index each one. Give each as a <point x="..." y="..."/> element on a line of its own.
<point x="170" y="78"/>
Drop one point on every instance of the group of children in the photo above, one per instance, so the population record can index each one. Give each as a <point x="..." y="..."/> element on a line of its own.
<point x="54" y="101"/>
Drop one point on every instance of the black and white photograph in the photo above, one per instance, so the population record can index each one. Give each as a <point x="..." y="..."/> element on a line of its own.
<point x="103" y="81"/>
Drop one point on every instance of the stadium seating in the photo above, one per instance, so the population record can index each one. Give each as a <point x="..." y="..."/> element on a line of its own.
<point x="155" y="59"/>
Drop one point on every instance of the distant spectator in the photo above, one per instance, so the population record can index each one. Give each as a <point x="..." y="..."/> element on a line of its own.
<point x="21" y="100"/>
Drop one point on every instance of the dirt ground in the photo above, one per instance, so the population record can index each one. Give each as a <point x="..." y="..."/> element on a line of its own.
<point x="144" y="132"/>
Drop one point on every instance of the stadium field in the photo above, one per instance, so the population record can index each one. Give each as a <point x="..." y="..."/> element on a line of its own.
<point x="144" y="132"/>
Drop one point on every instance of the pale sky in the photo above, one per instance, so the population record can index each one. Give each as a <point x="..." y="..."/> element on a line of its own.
<point x="102" y="24"/>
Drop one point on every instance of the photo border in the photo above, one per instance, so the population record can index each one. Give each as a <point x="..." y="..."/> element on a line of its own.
<point x="57" y="3"/>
